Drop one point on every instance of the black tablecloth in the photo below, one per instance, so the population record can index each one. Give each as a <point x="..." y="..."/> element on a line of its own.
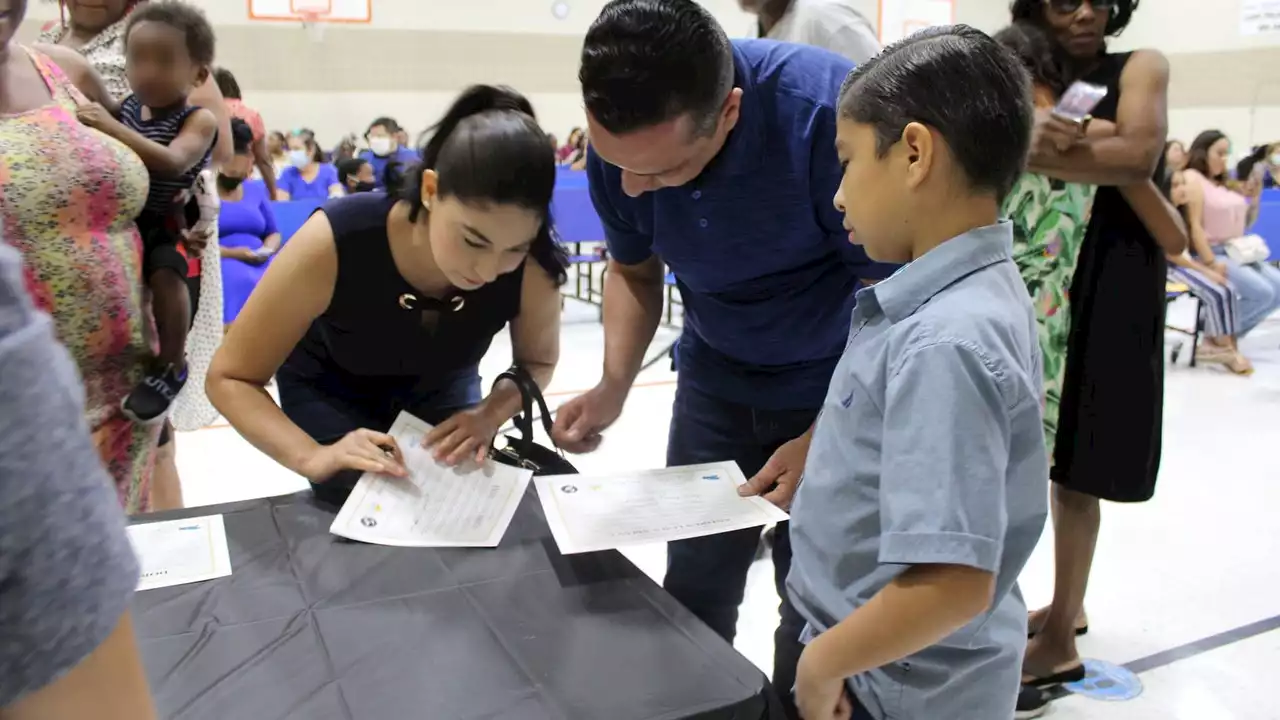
<point x="313" y="627"/>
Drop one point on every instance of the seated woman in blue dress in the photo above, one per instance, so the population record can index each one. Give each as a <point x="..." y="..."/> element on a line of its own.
<point x="385" y="302"/>
<point x="247" y="230"/>
<point x="308" y="176"/>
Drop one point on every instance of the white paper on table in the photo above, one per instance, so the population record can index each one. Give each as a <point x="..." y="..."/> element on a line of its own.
<point x="437" y="505"/>
<point x="177" y="552"/>
<point x="602" y="512"/>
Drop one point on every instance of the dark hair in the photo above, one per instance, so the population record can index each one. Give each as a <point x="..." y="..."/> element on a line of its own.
<point x="959" y="82"/>
<point x="187" y="19"/>
<point x="348" y="167"/>
<point x="241" y="136"/>
<point x="1245" y="167"/>
<point x="488" y="148"/>
<point x="1198" y="154"/>
<point x="1028" y="42"/>
<point x="227" y="84"/>
<point x="390" y="124"/>
<point x="645" y="62"/>
<point x="1033" y="11"/>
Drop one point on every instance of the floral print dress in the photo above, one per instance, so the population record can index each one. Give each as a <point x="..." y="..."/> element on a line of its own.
<point x="1050" y="218"/>
<point x="68" y="199"/>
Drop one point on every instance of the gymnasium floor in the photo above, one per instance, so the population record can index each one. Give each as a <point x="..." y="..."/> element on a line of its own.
<point x="1187" y="585"/>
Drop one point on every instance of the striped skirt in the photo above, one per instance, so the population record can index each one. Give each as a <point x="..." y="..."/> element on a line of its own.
<point x="1217" y="302"/>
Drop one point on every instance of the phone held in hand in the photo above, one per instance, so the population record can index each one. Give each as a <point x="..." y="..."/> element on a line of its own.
<point x="1079" y="101"/>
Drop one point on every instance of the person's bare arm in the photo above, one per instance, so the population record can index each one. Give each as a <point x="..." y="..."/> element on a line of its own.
<point x="1195" y="222"/>
<point x="262" y="161"/>
<point x="1141" y="128"/>
<point x="295" y="290"/>
<point x="535" y="341"/>
<point x="82" y="75"/>
<point x="632" y="311"/>
<point x="1160" y="217"/>
<point x="168" y="161"/>
<point x="208" y="96"/>
<point x="109" y="684"/>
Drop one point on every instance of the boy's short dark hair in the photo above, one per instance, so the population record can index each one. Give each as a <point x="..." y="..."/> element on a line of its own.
<point x="189" y="19"/>
<point x="959" y="82"/>
<point x="645" y="62"/>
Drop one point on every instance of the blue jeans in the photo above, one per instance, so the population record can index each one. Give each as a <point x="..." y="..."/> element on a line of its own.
<point x="708" y="575"/>
<point x="327" y="408"/>
<point x="1257" y="287"/>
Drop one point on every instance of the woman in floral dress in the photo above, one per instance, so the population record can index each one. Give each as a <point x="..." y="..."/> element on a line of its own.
<point x="1049" y="219"/>
<point x="68" y="198"/>
<point x="96" y="31"/>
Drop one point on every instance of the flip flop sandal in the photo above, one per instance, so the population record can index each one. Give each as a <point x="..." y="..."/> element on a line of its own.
<point x="1066" y="677"/>
<point x="1080" y="630"/>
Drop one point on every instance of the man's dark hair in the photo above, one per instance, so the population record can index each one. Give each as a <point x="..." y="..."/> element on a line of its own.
<point x="645" y="62"/>
<point x="389" y="124"/>
<point x="227" y="84"/>
<point x="957" y="81"/>
<point x="187" y="19"/>
<point x="1033" y="10"/>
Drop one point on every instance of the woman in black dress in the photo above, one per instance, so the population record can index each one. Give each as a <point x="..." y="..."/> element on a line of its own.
<point x="1108" y="444"/>
<point x="385" y="302"/>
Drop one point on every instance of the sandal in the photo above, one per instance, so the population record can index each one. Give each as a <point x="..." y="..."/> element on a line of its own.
<point x="1066" y="677"/>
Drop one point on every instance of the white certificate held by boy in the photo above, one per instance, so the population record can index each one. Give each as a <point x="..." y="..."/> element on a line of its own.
<point x="587" y="513"/>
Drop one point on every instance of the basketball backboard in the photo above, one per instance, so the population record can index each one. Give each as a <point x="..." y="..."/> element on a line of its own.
<point x="329" y="11"/>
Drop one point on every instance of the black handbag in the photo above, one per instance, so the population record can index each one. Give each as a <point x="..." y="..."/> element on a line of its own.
<point x="521" y="451"/>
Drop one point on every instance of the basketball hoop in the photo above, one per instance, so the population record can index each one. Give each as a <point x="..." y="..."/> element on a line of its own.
<point x="314" y="24"/>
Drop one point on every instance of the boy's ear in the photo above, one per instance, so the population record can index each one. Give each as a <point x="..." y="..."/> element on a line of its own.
<point x="918" y="145"/>
<point x="202" y="75"/>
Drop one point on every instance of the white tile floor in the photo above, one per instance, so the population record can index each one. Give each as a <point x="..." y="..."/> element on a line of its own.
<point x="1198" y="560"/>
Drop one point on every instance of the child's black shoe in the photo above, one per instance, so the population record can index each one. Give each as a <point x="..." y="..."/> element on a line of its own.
<point x="151" y="399"/>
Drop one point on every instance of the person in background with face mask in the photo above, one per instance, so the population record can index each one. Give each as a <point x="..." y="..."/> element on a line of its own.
<point x="247" y="232"/>
<point x="385" y="302"/>
<point x="356" y="175"/>
<point x="834" y="25"/>
<point x="387" y="145"/>
<point x="278" y="149"/>
<point x="308" y="176"/>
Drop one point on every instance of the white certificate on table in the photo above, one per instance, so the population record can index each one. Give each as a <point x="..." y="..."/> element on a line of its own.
<point x="602" y="512"/>
<point x="177" y="552"/>
<point x="436" y="506"/>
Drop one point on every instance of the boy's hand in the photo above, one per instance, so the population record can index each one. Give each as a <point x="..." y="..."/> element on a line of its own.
<point x="818" y="698"/>
<point x="782" y="473"/>
<point x="94" y="115"/>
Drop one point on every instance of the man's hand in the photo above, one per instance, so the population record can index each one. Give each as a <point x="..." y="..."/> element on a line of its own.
<point x="94" y="115"/>
<point x="779" y="479"/>
<point x="1053" y="134"/>
<point x="817" y="697"/>
<point x="580" y="421"/>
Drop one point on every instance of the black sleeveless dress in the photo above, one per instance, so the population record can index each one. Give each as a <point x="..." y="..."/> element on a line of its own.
<point x="1110" y="422"/>
<point x="381" y="346"/>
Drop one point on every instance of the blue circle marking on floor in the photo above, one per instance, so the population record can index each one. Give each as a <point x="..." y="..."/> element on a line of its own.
<point x="1104" y="681"/>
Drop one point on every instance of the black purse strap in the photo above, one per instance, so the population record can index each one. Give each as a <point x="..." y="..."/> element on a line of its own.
<point x="530" y="395"/>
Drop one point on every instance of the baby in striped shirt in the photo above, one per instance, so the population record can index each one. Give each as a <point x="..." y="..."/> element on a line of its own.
<point x="169" y="48"/>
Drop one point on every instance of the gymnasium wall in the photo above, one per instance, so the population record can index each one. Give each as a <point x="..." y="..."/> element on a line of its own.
<point x="415" y="55"/>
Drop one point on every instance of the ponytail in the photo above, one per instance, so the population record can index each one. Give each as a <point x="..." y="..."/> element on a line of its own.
<point x="488" y="148"/>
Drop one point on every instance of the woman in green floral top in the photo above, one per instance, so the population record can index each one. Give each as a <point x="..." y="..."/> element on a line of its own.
<point x="1049" y="219"/>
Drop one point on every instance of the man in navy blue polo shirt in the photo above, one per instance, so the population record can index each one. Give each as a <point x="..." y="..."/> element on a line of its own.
<point x="717" y="158"/>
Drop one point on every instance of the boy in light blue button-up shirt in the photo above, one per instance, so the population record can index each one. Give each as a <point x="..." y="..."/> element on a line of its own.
<point x="926" y="477"/>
